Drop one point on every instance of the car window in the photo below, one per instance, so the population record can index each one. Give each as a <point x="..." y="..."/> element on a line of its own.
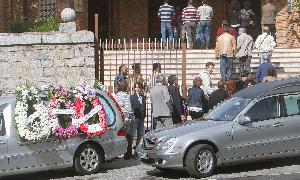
<point x="292" y="104"/>
<point x="110" y="113"/>
<point x="2" y="125"/>
<point x="227" y="110"/>
<point x="267" y="108"/>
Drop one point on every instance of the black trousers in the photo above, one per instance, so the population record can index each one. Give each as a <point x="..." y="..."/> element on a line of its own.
<point x="196" y="115"/>
<point x="272" y="29"/>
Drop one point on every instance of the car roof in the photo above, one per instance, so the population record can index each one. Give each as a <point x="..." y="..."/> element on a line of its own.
<point x="260" y="89"/>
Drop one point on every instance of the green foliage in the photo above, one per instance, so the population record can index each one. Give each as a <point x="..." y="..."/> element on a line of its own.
<point x="46" y="26"/>
<point x="298" y="3"/>
<point x="29" y="26"/>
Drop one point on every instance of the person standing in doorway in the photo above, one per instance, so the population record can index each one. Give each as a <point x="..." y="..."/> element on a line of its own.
<point x="166" y="13"/>
<point x="269" y="17"/>
<point x="205" y="12"/>
<point x="226" y="50"/>
<point x="177" y="23"/>
<point x="177" y="113"/>
<point x="247" y="18"/>
<point x="233" y="11"/>
<point x="265" y="44"/>
<point x="190" y="19"/>
<point x="244" y="50"/>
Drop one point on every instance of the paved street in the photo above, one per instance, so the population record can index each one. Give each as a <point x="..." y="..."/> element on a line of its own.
<point x="132" y="170"/>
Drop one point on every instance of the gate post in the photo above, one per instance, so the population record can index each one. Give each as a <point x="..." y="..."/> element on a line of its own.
<point x="97" y="48"/>
<point x="184" y="86"/>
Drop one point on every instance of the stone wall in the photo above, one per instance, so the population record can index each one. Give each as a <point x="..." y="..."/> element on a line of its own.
<point x="46" y="58"/>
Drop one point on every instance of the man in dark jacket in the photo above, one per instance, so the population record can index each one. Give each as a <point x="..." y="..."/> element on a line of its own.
<point x="177" y="114"/>
<point x="138" y="103"/>
<point x="218" y="95"/>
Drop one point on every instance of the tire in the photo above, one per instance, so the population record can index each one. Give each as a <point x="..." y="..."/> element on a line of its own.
<point x="88" y="160"/>
<point x="192" y="160"/>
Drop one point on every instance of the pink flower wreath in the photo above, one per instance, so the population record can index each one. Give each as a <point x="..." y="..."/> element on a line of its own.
<point x="91" y="129"/>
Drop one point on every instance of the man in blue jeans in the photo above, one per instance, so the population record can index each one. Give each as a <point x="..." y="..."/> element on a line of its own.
<point x="205" y="12"/>
<point x="166" y="13"/>
<point x="226" y="50"/>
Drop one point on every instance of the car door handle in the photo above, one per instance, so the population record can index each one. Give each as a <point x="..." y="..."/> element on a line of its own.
<point x="278" y="124"/>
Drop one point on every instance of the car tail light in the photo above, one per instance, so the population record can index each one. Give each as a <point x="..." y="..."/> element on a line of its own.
<point x="122" y="132"/>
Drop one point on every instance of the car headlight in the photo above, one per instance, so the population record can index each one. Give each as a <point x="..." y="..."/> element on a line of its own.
<point x="165" y="145"/>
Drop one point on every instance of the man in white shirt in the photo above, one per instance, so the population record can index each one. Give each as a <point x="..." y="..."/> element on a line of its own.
<point x="265" y="44"/>
<point x="206" y="79"/>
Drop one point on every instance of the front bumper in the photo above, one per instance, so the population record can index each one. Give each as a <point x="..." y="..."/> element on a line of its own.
<point x="172" y="159"/>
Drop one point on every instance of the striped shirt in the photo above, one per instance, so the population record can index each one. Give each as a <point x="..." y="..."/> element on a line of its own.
<point x="205" y="12"/>
<point x="166" y="12"/>
<point x="189" y="14"/>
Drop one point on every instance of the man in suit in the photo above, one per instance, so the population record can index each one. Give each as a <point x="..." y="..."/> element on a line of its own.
<point x="159" y="98"/>
<point x="138" y="103"/>
<point x="177" y="113"/>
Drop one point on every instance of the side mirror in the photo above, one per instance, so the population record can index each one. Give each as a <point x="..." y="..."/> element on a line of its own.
<point x="244" y="120"/>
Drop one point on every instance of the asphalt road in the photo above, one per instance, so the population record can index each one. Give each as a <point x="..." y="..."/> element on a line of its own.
<point x="280" y="169"/>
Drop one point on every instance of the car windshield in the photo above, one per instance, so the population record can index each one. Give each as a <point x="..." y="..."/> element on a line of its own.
<point x="227" y="110"/>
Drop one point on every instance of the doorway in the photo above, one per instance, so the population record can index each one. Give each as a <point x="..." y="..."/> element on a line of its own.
<point x="255" y="6"/>
<point x="102" y="9"/>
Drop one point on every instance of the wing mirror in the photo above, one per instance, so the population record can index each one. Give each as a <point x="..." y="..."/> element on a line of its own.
<point x="244" y="120"/>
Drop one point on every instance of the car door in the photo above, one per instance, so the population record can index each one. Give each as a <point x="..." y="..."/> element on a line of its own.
<point x="291" y="108"/>
<point x="3" y="144"/>
<point x="264" y="135"/>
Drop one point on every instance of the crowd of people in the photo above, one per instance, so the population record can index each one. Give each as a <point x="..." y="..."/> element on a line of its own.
<point x="168" y="107"/>
<point x="194" y="22"/>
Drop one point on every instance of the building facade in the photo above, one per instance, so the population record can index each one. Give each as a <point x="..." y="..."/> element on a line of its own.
<point x="137" y="18"/>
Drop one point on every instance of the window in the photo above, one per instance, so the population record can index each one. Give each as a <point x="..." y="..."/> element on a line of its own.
<point x="110" y="113"/>
<point x="292" y="104"/>
<point x="268" y="108"/>
<point x="47" y="9"/>
<point x="2" y="125"/>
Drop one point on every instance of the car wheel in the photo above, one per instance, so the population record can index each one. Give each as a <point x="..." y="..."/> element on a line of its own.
<point x="88" y="160"/>
<point x="200" y="161"/>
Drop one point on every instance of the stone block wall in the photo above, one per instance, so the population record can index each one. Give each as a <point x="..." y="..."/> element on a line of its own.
<point x="46" y="58"/>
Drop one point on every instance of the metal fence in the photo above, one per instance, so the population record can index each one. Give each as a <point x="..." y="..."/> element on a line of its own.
<point x="144" y="52"/>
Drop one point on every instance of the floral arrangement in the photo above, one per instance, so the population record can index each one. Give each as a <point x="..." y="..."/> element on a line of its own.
<point x="90" y="112"/>
<point x="31" y="114"/>
<point x="68" y="113"/>
<point x="98" y="85"/>
<point x="118" y="106"/>
<point x="61" y="112"/>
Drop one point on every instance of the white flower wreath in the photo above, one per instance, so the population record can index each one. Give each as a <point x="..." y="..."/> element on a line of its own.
<point x="34" y="128"/>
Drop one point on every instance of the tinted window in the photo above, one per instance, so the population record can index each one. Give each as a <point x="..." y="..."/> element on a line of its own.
<point x="228" y="110"/>
<point x="2" y="125"/>
<point x="110" y="113"/>
<point x="292" y="104"/>
<point x="264" y="109"/>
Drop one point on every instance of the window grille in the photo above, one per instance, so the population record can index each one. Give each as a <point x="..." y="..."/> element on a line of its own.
<point x="47" y="9"/>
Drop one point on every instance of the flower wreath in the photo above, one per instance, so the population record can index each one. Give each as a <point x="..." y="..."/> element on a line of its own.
<point x="91" y="116"/>
<point x="31" y="115"/>
<point x="60" y="111"/>
<point x="118" y="106"/>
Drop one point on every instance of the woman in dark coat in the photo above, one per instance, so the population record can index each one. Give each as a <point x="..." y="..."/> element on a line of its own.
<point x="196" y="100"/>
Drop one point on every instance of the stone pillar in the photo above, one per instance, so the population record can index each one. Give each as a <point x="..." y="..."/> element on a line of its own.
<point x="68" y="16"/>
